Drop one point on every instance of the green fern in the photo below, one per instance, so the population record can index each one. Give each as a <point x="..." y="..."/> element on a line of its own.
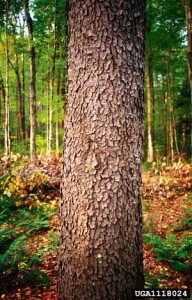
<point x="7" y="234"/>
<point x="179" y="266"/>
<point x="36" y="277"/>
<point x="15" y="254"/>
<point x="188" y="221"/>
<point x="35" y="259"/>
<point x="170" y="250"/>
<point x="2" y="262"/>
<point x="151" y="282"/>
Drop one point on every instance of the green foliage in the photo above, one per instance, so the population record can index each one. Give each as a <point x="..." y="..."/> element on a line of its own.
<point x="36" y="225"/>
<point x="188" y="222"/>
<point x="7" y="203"/>
<point x="185" y="222"/>
<point x="18" y="222"/>
<point x="51" y="246"/>
<point x="35" y="259"/>
<point x="15" y="254"/>
<point x="7" y="235"/>
<point x="177" y="253"/>
<point x="151" y="282"/>
<point x="147" y="166"/>
<point x="36" y="277"/>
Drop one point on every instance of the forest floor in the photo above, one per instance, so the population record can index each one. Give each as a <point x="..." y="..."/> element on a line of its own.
<point x="167" y="211"/>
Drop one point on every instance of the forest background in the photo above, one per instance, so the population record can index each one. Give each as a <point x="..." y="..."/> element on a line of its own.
<point x="33" y="79"/>
<point x="33" y="68"/>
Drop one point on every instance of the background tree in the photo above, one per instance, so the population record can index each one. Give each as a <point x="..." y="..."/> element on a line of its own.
<point x="7" y="104"/>
<point x="188" y="14"/>
<point x="166" y="53"/>
<point x="49" y="38"/>
<point x="32" y="83"/>
<point x="168" y="115"/>
<point x="149" y="85"/>
<point x="100" y="244"/>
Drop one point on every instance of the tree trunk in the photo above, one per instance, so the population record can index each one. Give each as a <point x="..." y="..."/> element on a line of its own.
<point x="2" y="87"/>
<point x="188" y="13"/>
<point x="32" y="83"/>
<point x="57" y="113"/>
<point x="2" y="99"/>
<point x="48" y="114"/>
<point x="19" y="94"/>
<point x="150" y="101"/>
<point x="100" y="242"/>
<point x="23" y="97"/>
<point x="7" y="119"/>
<point x="52" y="83"/>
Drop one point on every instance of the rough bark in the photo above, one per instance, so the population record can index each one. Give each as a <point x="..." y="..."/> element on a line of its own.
<point x="100" y="242"/>
<point x="32" y="83"/>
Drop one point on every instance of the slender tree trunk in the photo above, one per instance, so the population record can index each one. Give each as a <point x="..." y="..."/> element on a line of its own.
<point x="57" y="113"/>
<point x="23" y="126"/>
<point x="171" y="134"/>
<point x="2" y="98"/>
<point x="150" y="101"/>
<point x="32" y="83"/>
<point x="20" y="98"/>
<point x="188" y="13"/>
<point x="173" y="117"/>
<point x="175" y="136"/>
<point x="50" y="124"/>
<point x="48" y="115"/>
<point x="2" y="87"/>
<point x="170" y="111"/>
<point x="100" y="242"/>
<point x="7" y="119"/>
<point x="57" y="138"/>
<point x="52" y="83"/>
<point x="2" y="106"/>
<point x="19" y="95"/>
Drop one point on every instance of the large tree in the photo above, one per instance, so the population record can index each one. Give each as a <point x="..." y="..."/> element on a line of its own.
<point x="100" y="242"/>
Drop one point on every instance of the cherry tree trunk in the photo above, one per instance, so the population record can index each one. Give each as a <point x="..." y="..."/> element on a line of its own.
<point x="100" y="210"/>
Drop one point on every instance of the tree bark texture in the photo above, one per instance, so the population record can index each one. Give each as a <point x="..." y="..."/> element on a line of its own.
<point x="32" y="83"/>
<point x="100" y="242"/>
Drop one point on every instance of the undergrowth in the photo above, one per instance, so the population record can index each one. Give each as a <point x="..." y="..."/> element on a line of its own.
<point x="20" y="217"/>
<point x="176" y="253"/>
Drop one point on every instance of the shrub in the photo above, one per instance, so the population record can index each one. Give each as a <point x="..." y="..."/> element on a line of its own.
<point x="178" y="254"/>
